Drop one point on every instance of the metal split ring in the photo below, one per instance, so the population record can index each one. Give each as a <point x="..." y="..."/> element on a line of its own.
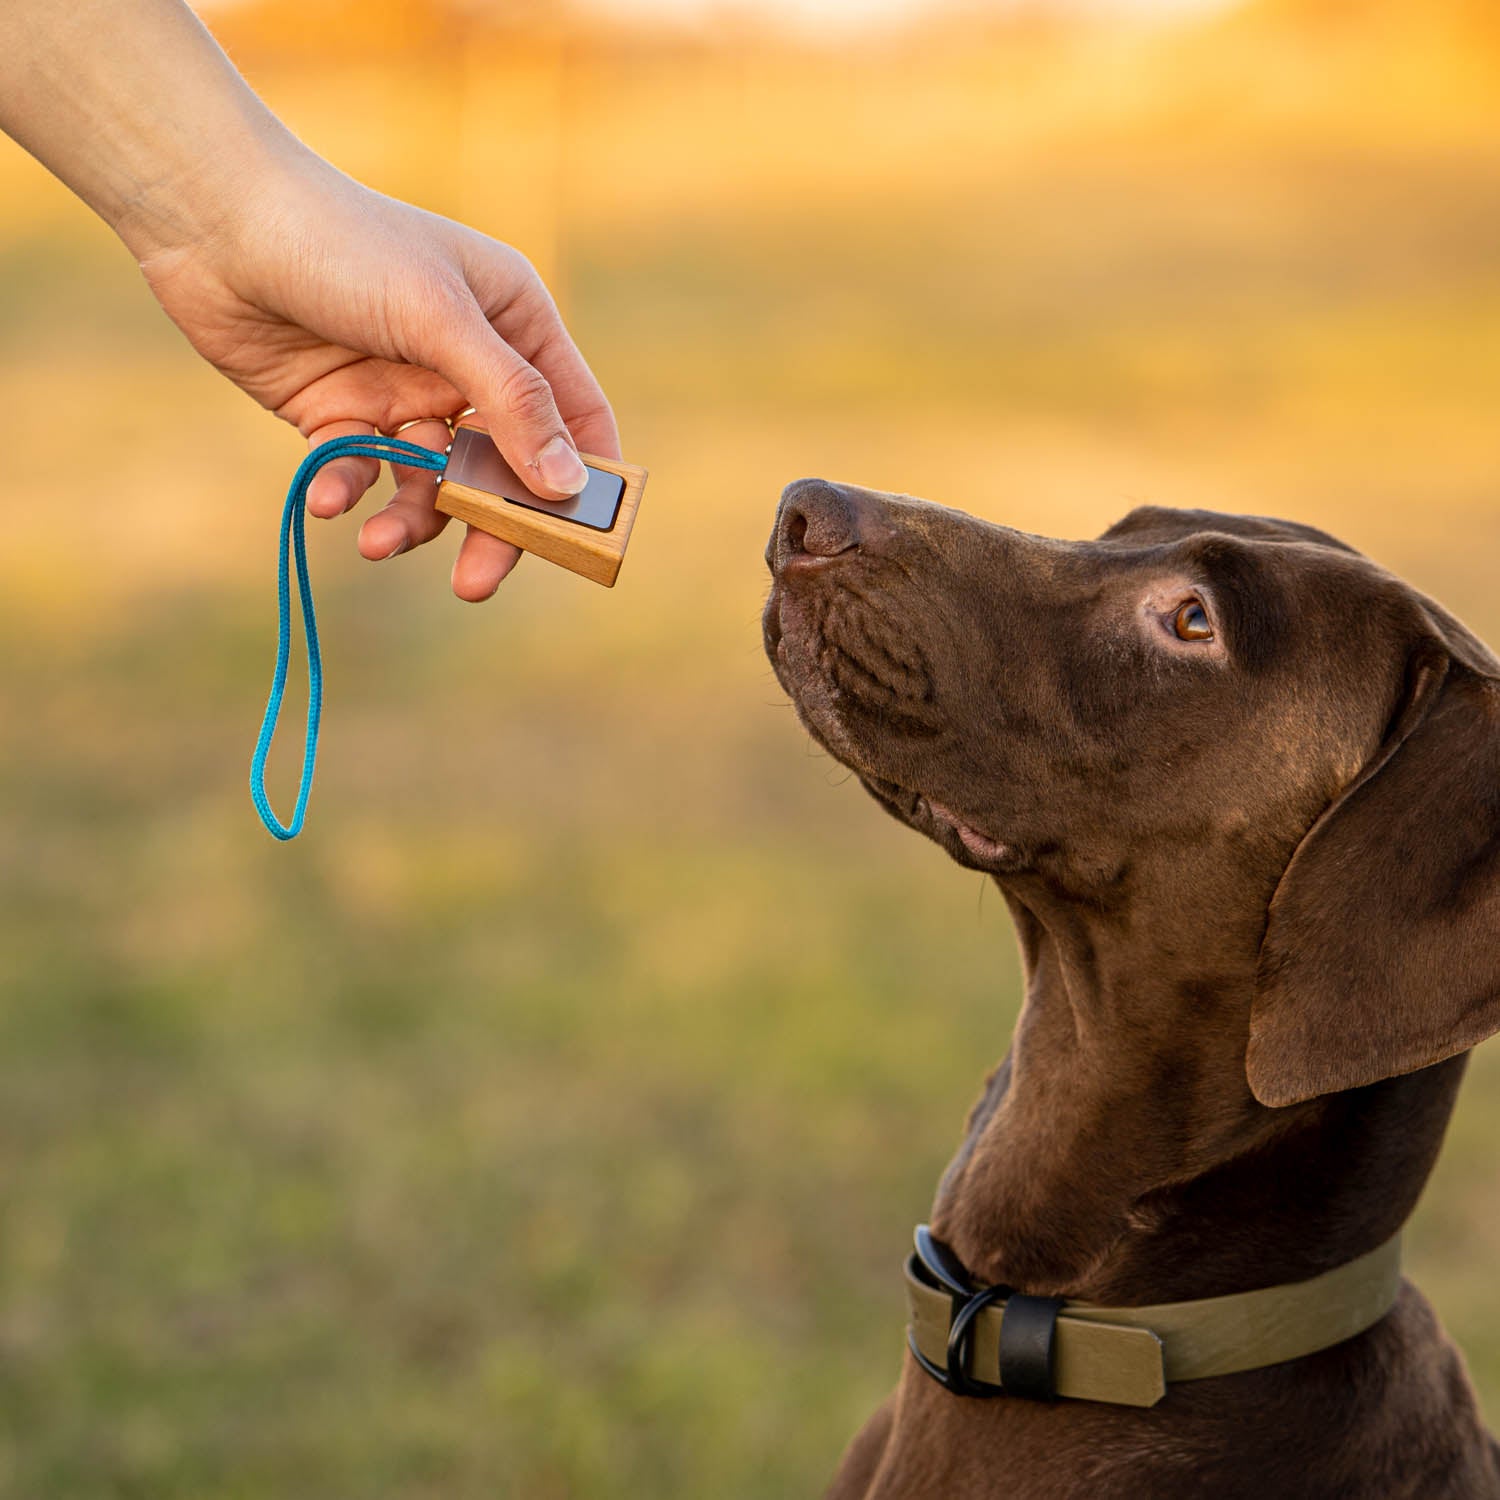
<point x="450" y="422"/>
<point x="417" y="422"/>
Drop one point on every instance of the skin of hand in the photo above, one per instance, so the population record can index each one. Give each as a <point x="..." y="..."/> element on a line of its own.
<point x="339" y="309"/>
<point x="347" y="312"/>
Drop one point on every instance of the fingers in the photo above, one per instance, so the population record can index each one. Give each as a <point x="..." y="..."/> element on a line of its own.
<point x="533" y="326"/>
<point x="514" y="401"/>
<point x="410" y="516"/>
<point x="339" y="485"/>
<point x="515" y="301"/>
<point x="580" y="401"/>
<point x="516" y="404"/>
<point x="481" y="566"/>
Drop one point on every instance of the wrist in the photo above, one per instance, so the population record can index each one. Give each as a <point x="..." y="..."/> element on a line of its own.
<point x="210" y="196"/>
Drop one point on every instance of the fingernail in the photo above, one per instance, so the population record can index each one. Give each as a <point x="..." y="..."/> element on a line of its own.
<point x="395" y="551"/>
<point x="561" y="468"/>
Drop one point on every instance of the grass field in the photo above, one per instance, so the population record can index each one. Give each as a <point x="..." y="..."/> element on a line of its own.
<point x="550" y="1119"/>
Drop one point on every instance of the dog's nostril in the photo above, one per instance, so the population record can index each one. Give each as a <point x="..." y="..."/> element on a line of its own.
<point x="818" y="519"/>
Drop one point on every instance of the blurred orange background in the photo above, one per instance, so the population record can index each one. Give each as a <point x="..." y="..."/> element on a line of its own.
<point x="551" y="1117"/>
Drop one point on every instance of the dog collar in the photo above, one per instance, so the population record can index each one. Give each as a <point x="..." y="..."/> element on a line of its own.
<point x="991" y="1341"/>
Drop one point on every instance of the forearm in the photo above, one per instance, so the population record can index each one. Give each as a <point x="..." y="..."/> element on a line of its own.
<point x="135" y="107"/>
<point x="337" y="308"/>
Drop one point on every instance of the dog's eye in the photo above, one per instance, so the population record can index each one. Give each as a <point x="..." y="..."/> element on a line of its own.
<point x="1190" y="623"/>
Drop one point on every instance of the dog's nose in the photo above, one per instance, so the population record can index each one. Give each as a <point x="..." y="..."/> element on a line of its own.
<point x="817" y="520"/>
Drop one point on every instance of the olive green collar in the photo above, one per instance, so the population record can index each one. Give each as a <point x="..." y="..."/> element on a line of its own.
<point x="989" y="1341"/>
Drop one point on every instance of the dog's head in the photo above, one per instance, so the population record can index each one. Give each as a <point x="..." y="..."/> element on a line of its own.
<point x="1226" y="714"/>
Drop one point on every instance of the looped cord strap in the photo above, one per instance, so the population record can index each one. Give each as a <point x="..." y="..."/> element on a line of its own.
<point x="293" y="535"/>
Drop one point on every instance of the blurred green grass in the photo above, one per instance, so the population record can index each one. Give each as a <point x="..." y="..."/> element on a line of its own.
<point x="551" y="1117"/>
<point x="501" y="1148"/>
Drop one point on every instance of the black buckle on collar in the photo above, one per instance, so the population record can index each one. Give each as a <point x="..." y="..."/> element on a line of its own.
<point x="1028" y="1330"/>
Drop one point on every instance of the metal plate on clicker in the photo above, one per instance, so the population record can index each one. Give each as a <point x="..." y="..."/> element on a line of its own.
<point x="476" y="463"/>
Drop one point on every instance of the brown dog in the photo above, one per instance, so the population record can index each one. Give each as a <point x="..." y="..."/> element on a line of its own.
<point x="1241" y="790"/>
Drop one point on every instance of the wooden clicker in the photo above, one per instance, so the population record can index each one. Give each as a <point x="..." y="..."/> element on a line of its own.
<point x="586" y="533"/>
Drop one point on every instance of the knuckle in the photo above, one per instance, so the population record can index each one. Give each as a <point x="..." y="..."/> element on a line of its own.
<point x="526" y="395"/>
<point x="448" y="295"/>
<point x="520" y="264"/>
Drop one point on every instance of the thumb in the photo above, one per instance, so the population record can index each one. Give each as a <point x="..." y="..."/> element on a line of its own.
<point x="516" y="403"/>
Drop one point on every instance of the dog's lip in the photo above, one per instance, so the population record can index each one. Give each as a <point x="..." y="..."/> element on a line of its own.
<point x="981" y="846"/>
<point x="802" y="564"/>
<point x="916" y="807"/>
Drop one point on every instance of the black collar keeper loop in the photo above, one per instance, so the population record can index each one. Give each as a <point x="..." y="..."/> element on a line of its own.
<point x="1028" y="1345"/>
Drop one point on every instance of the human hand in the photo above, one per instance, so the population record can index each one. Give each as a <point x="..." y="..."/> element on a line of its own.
<point x="344" y="311"/>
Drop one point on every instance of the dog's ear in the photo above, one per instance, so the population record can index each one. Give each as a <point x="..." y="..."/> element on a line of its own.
<point x="1382" y="949"/>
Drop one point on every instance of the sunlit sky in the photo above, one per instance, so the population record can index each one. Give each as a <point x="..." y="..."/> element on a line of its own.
<point x="837" y="15"/>
<point x="846" y="14"/>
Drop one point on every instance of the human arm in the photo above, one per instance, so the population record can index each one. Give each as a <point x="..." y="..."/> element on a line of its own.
<point x="337" y="308"/>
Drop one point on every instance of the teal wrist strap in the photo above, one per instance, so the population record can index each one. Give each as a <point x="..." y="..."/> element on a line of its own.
<point x="294" y="540"/>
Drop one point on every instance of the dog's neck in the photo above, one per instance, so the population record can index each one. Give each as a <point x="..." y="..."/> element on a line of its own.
<point x="1117" y="1154"/>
